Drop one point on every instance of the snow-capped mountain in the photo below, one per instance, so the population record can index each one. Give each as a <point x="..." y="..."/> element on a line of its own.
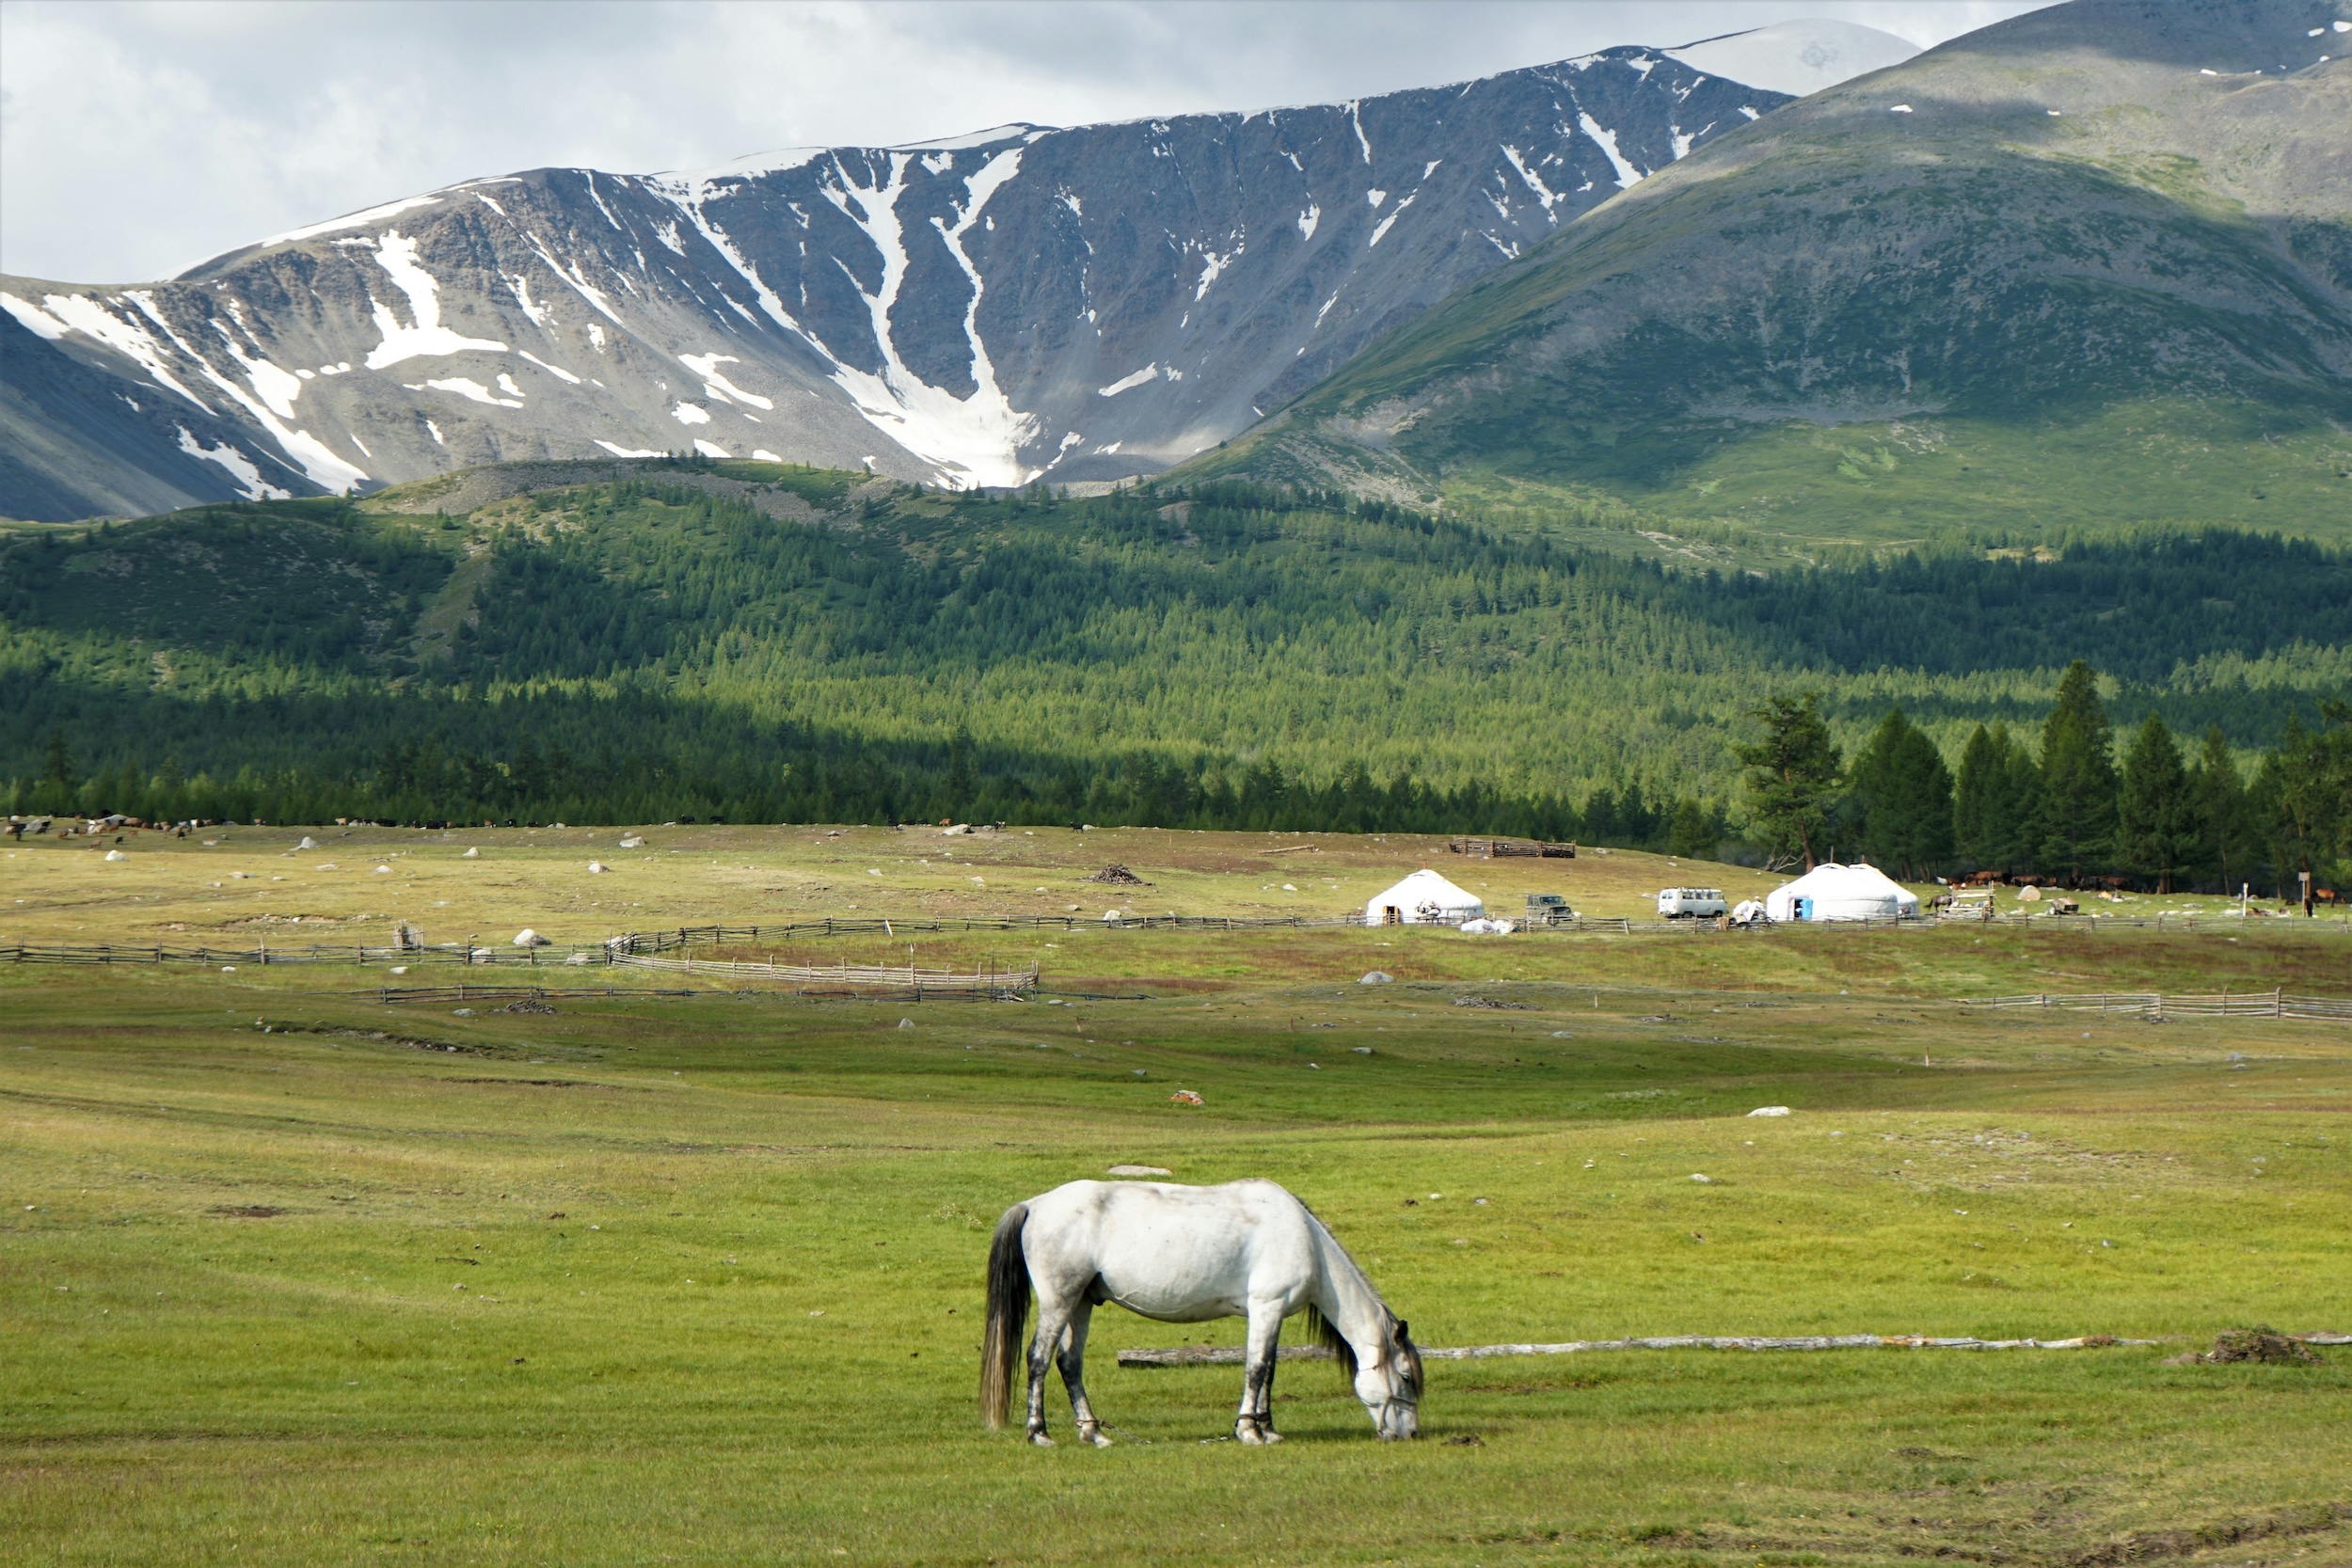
<point x="1016" y="304"/>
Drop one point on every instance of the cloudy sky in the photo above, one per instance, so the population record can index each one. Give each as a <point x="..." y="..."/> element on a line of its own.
<point x="138" y="138"/>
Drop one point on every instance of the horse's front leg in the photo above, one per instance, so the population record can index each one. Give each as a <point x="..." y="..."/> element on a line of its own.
<point x="1074" y="1376"/>
<point x="1255" y="1424"/>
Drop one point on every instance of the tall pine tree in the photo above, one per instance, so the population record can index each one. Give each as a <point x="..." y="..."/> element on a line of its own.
<point x="2156" y="813"/>
<point x="1905" y="795"/>
<point x="2218" y="795"/>
<point x="1992" y="803"/>
<point x="2077" y="808"/>
<point x="1792" y="777"/>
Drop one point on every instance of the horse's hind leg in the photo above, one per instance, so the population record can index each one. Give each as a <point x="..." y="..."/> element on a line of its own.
<point x="1052" y="1321"/>
<point x="1074" y="1376"/>
<point x="1255" y="1424"/>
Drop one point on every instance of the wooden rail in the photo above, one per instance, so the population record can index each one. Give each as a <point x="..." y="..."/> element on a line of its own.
<point x="2251" y="1004"/>
<point x="1233" y="1356"/>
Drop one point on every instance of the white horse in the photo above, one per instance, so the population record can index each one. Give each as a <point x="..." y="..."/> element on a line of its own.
<point x="1186" y="1255"/>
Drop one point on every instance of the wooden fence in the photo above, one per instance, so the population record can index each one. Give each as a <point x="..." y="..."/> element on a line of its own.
<point x="2245" y="1003"/>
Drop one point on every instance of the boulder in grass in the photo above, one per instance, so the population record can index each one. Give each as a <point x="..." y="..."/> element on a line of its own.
<point x="470" y="855"/>
<point x="1377" y="977"/>
<point x="595" y="869"/>
<point x="529" y="938"/>
<point x="1770" y="1111"/>
<point x="117" y="855"/>
<point x="307" y="843"/>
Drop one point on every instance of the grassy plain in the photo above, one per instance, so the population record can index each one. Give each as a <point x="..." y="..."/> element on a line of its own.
<point x="290" y="1275"/>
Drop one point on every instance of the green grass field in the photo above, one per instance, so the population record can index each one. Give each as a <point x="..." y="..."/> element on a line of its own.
<point x="291" y="1275"/>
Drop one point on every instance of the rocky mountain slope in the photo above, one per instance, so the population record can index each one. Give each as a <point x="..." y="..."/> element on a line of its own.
<point x="1020" y="303"/>
<point x="2092" y="265"/>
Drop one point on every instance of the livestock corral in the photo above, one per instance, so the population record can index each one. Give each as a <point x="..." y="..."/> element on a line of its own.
<point x="325" y="1258"/>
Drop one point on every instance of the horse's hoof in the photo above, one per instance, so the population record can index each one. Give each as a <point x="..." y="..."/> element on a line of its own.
<point x="1096" y="1438"/>
<point x="1040" y="1440"/>
<point x="1271" y="1437"/>
<point x="1248" y="1433"/>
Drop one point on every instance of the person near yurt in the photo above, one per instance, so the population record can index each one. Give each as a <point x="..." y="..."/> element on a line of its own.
<point x="1423" y="898"/>
<point x="1834" y="892"/>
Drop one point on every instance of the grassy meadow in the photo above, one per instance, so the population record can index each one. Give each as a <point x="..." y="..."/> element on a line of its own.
<point x="289" y="1275"/>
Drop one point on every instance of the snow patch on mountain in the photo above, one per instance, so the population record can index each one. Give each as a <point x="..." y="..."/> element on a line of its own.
<point x="354" y="220"/>
<point x="241" y="468"/>
<point x="426" y="337"/>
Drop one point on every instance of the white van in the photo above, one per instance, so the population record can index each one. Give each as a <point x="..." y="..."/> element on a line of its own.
<point x="1692" y="903"/>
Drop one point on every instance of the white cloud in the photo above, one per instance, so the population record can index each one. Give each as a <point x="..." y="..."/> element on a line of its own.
<point x="138" y="137"/>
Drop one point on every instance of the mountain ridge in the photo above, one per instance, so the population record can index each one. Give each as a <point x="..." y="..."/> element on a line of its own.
<point x="988" y="308"/>
<point x="2050" y="249"/>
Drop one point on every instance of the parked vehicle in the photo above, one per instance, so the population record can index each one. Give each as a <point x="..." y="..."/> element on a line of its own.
<point x="1692" y="903"/>
<point x="1548" y="908"/>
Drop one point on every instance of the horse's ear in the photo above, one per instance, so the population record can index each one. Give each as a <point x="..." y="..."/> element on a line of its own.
<point x="1403" y="1331"/>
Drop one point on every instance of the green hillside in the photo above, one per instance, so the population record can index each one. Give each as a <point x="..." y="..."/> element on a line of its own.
<point x="2055" y="275"/>
<point x="751" y="642"/>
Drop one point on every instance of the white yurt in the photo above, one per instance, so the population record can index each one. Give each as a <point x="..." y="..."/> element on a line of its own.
<point x="1833" y="892"/>
<point x="1423" y="898"/>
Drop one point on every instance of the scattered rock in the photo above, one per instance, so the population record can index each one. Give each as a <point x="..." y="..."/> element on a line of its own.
<point x="1377" y="977"/>
<point x="307" y="843"/>
<point x="527" y="1004"/>
<point x="1490" y="1002"/>
<point x="1770" y="1111"/>
<point x="117" y="855"/>
<point x="1115" y="875"/>
<point x="470" y="855"/>
<point x="1702" y="1180"/>
<point x="906" y="1023"/>
<point x="529" y="938"/>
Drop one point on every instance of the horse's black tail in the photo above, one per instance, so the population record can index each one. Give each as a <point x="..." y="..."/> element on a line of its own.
<point x="1008" y="1316"/>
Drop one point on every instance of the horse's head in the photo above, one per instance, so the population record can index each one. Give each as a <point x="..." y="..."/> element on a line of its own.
<point x="1390" y="1382"/>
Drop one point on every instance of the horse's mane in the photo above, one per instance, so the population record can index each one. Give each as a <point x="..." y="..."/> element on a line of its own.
<point x="1321" y="1330"/>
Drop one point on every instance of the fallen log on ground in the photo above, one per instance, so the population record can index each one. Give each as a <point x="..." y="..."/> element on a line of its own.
<point x="1225" y="1356"/>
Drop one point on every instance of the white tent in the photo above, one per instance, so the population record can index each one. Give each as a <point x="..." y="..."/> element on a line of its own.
<point x="1423" y="898"/>
<point x="1833" y="892"/>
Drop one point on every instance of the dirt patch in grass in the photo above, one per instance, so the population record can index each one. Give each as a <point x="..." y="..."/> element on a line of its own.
<point x="2262" y="1343"/>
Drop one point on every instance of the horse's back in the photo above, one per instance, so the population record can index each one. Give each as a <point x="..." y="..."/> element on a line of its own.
<point x="1173" y="1251"/>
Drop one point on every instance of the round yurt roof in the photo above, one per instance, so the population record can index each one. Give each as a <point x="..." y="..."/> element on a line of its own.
<point x="1856" y="892"/>
<point x="1424" y="887"/>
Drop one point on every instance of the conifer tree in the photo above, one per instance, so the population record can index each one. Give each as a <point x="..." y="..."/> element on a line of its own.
<point x="1792" y="777"/>
<point x="2156" y="813"/>
<point x="2078" y="807"/>
<point x="1993" y="802"/>
<point x="2217" y="796"/>
<point x="1905" y="793"/>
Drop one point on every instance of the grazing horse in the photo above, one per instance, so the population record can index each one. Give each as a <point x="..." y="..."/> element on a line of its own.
<point x="1186" y="1255"/>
